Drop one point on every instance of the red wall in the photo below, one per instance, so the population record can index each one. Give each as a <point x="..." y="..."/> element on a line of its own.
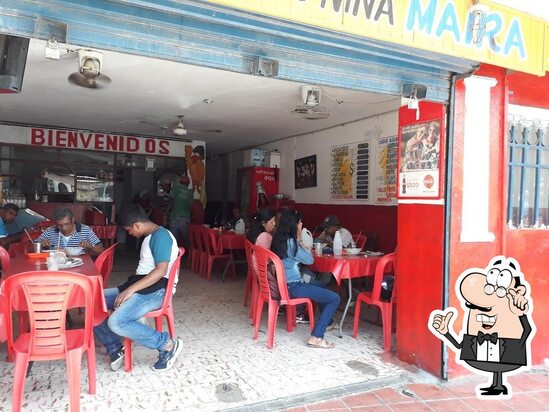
<point x="380" y="220"/>
<point x="529" y="247"/>
<point x="419" y="283"/>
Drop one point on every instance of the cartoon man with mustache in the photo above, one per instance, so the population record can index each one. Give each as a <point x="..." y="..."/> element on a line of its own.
<point x="497" y="323"/>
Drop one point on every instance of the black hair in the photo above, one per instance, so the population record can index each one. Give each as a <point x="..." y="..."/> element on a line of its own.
<point x="11" y="206"/>
<point x="256" y="224"/>
<point x="132" y="214"/>
<point x="199" y="150"/>
<point x="61" y="213"/>
<point x="286" y="229"/>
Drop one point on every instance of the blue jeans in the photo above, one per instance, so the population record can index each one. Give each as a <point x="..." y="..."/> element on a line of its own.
<point x="327" y="301"/>
<point x="124" y="322"/>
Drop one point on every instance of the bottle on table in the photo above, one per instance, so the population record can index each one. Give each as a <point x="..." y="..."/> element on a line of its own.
<point x="262" y="199"/>
<point x="338" y="245"/>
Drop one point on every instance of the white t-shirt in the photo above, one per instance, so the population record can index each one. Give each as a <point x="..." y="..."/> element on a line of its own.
<point x="159" y="246"/>
<point x="346" y="237"/>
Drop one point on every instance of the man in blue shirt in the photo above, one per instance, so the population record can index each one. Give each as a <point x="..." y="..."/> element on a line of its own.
<point x="141" y="294"/>
<point x="8" y="213"/>
<point x="69" y="233"/>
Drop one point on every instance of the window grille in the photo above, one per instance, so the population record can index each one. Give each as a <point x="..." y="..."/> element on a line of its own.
<point x="528" y="197"/>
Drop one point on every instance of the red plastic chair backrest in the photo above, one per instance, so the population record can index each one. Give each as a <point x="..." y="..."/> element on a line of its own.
<point x="19" y="248"/>
<point x="263" y="257"/>
<point x="104" y="263"/>
<point x="360" y="240"/>
<point x="44" y="224"/>
<point x="47" y="295"/>
<point x="197" y="236"/>
<point x="173" y="276"/>
<point x="5" y="259"/>
<point x="209" y="240"/>
<point x="387" y="264"/>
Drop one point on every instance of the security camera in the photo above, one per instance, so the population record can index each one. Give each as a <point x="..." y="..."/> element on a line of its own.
<point x="90" y="62"/>
<point x="310" y="95"/>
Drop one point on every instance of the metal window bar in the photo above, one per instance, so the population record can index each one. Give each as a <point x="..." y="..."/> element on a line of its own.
<point x="526" y="217"/>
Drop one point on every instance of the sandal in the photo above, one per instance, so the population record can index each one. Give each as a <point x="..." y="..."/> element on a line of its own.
<point x="333" y="326"/>
<point x="315" y="342"/>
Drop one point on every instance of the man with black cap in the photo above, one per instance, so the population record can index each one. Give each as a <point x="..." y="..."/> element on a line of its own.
<point x="330" y="225"/>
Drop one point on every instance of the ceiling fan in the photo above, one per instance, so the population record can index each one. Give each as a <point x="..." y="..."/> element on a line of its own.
<point x="180" y="129"/>
<point x="310" y="108"/>
<point x="89" y="74"/>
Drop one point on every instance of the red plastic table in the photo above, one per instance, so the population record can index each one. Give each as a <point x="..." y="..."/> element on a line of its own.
<point x="21" y="263"/>
<point x="346" y="267"/>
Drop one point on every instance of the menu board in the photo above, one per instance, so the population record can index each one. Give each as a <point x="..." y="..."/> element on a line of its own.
<point x="350" y="171"/>
<point x="385" y="170"/>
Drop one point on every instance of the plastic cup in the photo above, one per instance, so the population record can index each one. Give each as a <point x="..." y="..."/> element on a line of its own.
<point x="318" y="249"/>
<point x="37" y="247"/>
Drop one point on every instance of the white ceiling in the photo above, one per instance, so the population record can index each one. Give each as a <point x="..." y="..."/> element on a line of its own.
<point x="249" y="110"/>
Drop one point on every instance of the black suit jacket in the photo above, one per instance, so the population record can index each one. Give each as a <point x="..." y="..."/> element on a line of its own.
<point x="512" y="351"/>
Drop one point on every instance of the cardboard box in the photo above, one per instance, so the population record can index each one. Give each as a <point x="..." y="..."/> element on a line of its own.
<point x="254" y="157"/>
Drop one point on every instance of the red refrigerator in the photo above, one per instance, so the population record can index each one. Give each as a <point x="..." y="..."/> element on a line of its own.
<point x="256" y="185"/>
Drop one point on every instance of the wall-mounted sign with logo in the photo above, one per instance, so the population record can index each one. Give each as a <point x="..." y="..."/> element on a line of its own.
<point x="420" y="155"/>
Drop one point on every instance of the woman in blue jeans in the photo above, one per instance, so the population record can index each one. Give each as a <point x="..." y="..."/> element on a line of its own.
<point x="288" y="246"/>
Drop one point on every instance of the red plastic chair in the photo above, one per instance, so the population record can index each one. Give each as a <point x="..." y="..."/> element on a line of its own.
<point x="360" y="240"/>
<point x="47" y="294"/>
<point x="212" y="252"/>
<point x="165" y="311"/>
<point x="386" y="264"/>
<point x="104" y="263"/>
<point x="5" y="259"/>
<point x="19" y="248"/>
<point x="198" y="250"/>
<point x="262" y="259"/>
<point x="44" y="224"/>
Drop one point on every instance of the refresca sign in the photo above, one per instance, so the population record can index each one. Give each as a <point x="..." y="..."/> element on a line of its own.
<point x="487" y="32"/>
<point x="87" y="140"/>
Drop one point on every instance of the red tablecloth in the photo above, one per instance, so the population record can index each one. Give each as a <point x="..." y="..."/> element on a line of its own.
<point x="23" y="264"/>
<point x="346" y="266"/>
<point x="229" y="240"/>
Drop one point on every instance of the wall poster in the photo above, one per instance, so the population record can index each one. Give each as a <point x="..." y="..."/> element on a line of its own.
<point x="350" y="171"/>
<point x="385" y="169"/>
<point x="305" y="172"/>
<point x="419" y="160"/>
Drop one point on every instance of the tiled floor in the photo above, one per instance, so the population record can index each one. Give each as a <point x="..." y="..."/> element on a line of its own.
<point x="530" y="393"/>
<point x="222" y="368"/>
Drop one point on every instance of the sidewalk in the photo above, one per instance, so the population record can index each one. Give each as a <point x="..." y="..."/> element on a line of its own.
<point x="530" y="393"/>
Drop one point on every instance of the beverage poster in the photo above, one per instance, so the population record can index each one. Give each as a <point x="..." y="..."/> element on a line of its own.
<point x="385" y="170"/>
<point x="349" y="175"/>
<point x="419" y="160"/>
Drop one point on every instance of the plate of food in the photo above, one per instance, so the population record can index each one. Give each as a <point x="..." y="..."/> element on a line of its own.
<point x="71" y="262"/>
<point x="74" y="251"/>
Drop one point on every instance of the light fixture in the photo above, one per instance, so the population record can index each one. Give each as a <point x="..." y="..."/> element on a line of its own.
<point x="52" y="49"/>
<point x="180" y="129"/>
<point x="477" y="21"/>
<point x="264" y="67"/>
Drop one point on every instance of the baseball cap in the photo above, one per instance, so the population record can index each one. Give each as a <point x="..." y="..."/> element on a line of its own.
<point x="330" y="220"/>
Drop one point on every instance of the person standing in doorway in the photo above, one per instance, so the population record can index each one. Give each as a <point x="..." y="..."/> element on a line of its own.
<point x="181" y="198"/>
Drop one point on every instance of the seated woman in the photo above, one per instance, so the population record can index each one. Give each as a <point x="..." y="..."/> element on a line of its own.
<point x="288" y="246"/>
<point x="262" y="227"/>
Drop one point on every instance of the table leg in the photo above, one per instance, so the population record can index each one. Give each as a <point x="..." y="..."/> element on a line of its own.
<point x="227" y="265"/>
<point x="347" y="305"/>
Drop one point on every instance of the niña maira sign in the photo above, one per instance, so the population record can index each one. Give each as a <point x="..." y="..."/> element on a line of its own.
<point x="96" y="141"/>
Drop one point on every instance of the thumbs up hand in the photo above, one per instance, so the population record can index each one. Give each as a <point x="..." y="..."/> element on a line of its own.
<point x="441" y="321"/>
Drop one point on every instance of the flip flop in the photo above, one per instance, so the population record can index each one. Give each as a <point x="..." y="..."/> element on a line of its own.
<point x="322" y="343"/>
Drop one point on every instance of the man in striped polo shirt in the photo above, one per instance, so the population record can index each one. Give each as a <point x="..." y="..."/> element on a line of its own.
<point x="69" y="233"/>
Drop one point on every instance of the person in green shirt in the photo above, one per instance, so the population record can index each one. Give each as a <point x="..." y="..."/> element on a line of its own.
<point x="181" y="198"/>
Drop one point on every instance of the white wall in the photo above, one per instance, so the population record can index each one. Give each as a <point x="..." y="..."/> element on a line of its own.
<point x="320" y="143"/>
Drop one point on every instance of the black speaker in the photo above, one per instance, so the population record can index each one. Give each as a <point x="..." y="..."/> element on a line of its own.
<point x="13" y="58"/>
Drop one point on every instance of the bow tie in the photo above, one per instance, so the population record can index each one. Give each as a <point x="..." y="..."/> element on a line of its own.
<point x="482" y="337"/>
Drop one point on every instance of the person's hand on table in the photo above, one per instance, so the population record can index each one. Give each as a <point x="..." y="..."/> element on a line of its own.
<point x="45" y="243"/>
<point x="122" y="297"/>
<point x="86" y="245"/>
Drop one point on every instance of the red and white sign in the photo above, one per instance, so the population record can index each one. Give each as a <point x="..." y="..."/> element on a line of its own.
<point x="96" y="141"/>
